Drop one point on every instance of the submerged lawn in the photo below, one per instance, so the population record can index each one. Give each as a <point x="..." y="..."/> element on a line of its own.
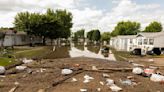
<point x="6" y="61"/>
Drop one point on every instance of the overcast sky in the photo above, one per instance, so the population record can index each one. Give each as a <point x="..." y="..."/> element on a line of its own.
<point x="89" y="14"/>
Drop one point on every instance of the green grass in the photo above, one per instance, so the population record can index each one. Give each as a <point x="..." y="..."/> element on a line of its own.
<point x="32" y="53"/>
<point x="6" y="61"/>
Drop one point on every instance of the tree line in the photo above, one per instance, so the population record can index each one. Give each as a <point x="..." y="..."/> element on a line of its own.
<point x="52" y="24"/>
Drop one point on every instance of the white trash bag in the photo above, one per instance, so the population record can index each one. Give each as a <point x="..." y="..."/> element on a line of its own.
<point x="137" y="70"/>
<point x="66" y="71"/>
<point x="157" y="78"/>
<point x="25" y="61"/>
<point x="21" y="67"/>
<point x="115" y="88"/>
<point x="2" y="69"/>
<point x="109" y="82"/>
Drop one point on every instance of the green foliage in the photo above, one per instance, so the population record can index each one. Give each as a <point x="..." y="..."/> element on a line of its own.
<point x="94" y="35"/>
<point x="105" y="36"/>
<point x="79" y="34"/>
<point x="153" y="27"/>
<point x="89" y="35"/>
<point x="52" y="24"/>
<point x="126" y="28"/>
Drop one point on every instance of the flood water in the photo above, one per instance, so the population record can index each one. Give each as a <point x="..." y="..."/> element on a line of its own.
<point x="80" y="51"/>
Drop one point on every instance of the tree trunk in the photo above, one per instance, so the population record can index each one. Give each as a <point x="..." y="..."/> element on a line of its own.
<point x="44" y="40"/>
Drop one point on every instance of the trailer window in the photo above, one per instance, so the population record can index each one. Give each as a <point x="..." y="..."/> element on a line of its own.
<point x="151" y="41"/>
<point x="145" y="41"/>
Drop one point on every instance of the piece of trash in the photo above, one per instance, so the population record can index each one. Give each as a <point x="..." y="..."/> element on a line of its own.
<point x="115" y="88"/>
<point x="83" y="90"/>
<point x="2" y="76"/>
<point x="29" y="71"/>
<point x="130" y="77"/>
<point x="42" y="70"/>
<point x="21" y="68"/>
<point x="151" y="60"/>
<point x="87" y="79"/>
<point x="66" y="71"/>
<point x="27" y="61"/>
<point x="102" y="83"/>
<point x="98" y="89"/>
<point x="126" y="82"/>
<point x="148" y="72"/>
<point x="153" y="67"/>
<point x="105" y="75"/>
<point x="2" y="69"/>
<point x="74" y="80"/>
<point x="137" y="70"/>
<point x="16" y="83"/>
<point x="157" y="78"/>
<point x="41" y="90"/>
<point x="94" y="68"/>
<point x="76" y="65"/>
<point x="13" y="89"/>
<point x="109" y="82"/>
<point x="137" y="65"/>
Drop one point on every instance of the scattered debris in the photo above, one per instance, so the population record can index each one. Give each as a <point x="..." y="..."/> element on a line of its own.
<point x="137" y="65"/>
<point x="66" y="71"/>
<point x="74" y="80"/>
<point x="41" y="90"/>
<point x="13" y="89"/>
<point x="115" y="88"/>
<point x="98" y="89"/>
<point x="2" y="69"/>
<point x="130" y="77"/>
<point x="126" y="82"/>
<point x="151" y="60"/>
<point x="87" y="79"/>
<point x="109" y="82"/>
<point x="27" y="61"/>
<point x="2" y="76"/>
<point x="148" y="72"/>
<point x="16" y="83"/>
<point x="105" y="75"/>
<point x="157" y="78"/>
<point x="83" y="90"/>
<point x="94" y="68"/>
<point x="102" y="83"/>
<point x="137" y="70"/>
<point x="21" y="68"/>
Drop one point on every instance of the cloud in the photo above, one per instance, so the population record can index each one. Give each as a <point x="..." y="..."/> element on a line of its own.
<point x="84" y="14"/>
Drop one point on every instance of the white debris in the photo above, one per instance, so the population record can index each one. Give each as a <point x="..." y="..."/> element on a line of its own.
<point x="94" y="68"/>
<point x="42" y="70"/>
<point x="87" y="79"/>
<point x="105" y="75"/>
<point x="2" y="69"/>
<point x="83" y="90"/>
<point x="16" y="83"/>
<point x="157" y="78"/>
<point x="137" y="65"/>
<point x="115" y="88"/>
<point x="109" y="82"/>
<point x="66" y="71"/>
<point x="126" y="82"/>
<point x="98" y="89"/>
<point x="102" y="83"/>
<point x="2" y="76"/>
<point x="137" y="70"/>
<point x="151" y="60"/>
<point x="74" y="79"/>
<point x="27" y="60"/>
<point x="21" y="67"/>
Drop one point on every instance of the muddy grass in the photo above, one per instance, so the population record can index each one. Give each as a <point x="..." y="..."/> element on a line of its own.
<point x="33" y="82"/>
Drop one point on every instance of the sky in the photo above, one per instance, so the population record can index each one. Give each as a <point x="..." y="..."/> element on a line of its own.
<point x="89" y="14"/>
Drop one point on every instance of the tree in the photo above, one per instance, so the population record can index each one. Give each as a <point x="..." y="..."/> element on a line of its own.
<point x="96" y="35"/>
<point x="126" y="28"/>
<point x="105" y="36"/>
<point x="153" y="27"/>
<point x="52" y="24"/>
<point x="2" y="37"/>
<point x="89" y="35"/>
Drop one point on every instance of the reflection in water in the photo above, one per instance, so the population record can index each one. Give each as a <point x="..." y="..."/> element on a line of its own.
<point x="79" y="51"/>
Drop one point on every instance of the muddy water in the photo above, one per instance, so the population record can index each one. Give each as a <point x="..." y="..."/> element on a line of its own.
<point x="79" y="51"/>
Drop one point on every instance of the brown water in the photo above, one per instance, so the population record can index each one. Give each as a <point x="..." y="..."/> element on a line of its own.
<point x="79" y="51"/>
